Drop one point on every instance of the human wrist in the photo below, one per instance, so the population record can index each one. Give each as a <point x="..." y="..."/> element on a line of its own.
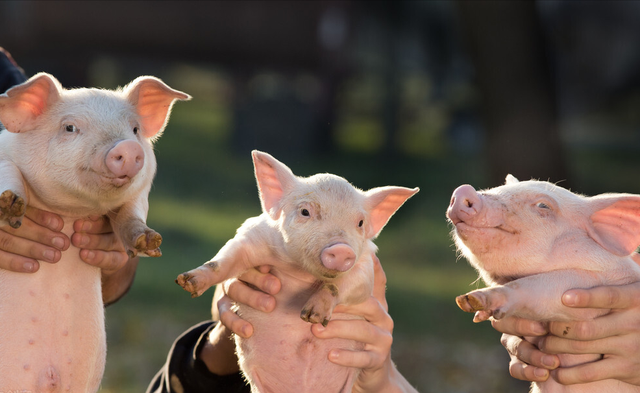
<point x="218" y="352"/>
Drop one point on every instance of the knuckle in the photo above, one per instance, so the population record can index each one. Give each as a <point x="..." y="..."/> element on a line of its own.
<point x="612" y="296"/>
<point x="6" y="242"/>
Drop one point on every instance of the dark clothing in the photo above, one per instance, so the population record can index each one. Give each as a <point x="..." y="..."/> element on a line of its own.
<point x="183" y="372"/>
<point x="10" y="73"/>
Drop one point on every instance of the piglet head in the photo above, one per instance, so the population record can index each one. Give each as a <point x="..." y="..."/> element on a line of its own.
<point x="86" y="150"/>
<point x="325" y="221"/>
<point x="524" y="228"/>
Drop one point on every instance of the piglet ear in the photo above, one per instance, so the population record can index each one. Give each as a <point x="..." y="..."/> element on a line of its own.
<point x="153" y="101"/>
<point x="616" y="223"/>
<point x="382" y="203"/>
<point x="510" y="179"/>
<point x="274" y="180"/>
<point x="21" y="105"/>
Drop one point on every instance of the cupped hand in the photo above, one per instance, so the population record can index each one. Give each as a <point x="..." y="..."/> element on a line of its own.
<point x="99" y="246"/>
<point x="615" y="336"/>
<point x="39" y="238"/>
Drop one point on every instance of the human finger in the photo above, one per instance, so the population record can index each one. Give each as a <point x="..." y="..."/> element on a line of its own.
<point x="557" y="345"/>
<point x="609" y="325"/>
<point x="231" y="320"/>
<point x="519" y="327"/>
<point x="102" y="241"/>
<point x="528" y="353"/>
<point x="45" y="218"/>
<point x="355" y="329"/>
<point x="357" y="359"/>
<point x="94" y="225"/>
<point x="371" y="310"/>
<point x="608" y="368"/>
<point x="108" y="261"/>
<point x="611" y="296"/>
<point x="242" y="293"/>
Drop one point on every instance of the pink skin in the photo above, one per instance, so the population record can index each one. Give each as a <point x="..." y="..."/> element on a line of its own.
<point x="125" y="161"/>
<point x="338" y="257"/>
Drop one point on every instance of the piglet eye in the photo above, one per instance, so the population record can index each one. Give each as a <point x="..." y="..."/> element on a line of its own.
<point x="305" y="212"/>
<point x="135" y="130"/>
<point x="543" y="205"/>
<point x="70" y="128"/>
<point x="361" y="223"/>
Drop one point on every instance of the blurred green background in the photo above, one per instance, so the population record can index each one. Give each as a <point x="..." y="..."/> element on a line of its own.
<point x="419" y="94"/>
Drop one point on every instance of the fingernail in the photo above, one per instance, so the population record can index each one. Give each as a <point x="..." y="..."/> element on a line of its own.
<point x="333" y="354"/>
<point x="48" y="255"/>
<point x="29" y="267"/>
<point x="84" y="240"/>
<point x="549" y="361"/>
<point x="58" y="242"/>
<point x="90" y="255"/>
<point x="265" y="304"/>
<point x="540" y="372"/>
<point x="53" y="223"/>
<point x="569" y="299"/>
<point x="320" y="328"/>
<point x="86" y="225"/>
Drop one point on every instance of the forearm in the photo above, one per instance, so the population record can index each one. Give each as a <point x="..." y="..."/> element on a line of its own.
<point x="116" y="284"/>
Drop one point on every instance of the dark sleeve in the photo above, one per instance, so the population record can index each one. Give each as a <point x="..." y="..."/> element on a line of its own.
<point x="10" y="73"/>
<point x="183" y="372"/>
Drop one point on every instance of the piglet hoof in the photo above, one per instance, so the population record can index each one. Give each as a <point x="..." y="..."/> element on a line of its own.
<point x="12" y="208"/>
<point x="189" y="282"/>
<point x="309" y="314"/>
<point x="148" y="243"/>
<point x="485" y="305"/>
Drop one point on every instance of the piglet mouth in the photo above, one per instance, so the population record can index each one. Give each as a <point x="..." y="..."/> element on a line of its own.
<point x="119" y="181"/>
<point x="463" y="229"/>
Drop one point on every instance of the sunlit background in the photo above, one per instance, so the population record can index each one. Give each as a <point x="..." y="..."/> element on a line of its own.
<point x="431" y="94"/>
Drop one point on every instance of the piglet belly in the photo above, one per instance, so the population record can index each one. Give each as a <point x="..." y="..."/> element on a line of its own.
<point x="52" y="336"/>
<point x="283" y="356"/>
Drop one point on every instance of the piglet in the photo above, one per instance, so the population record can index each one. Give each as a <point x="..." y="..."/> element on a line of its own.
<point x="531" y="241"/>
<point x="77" y="153"/>
<point x="320" y="230"/>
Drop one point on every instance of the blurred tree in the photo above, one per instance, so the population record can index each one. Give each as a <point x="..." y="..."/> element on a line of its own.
<point x="518" y="102"/>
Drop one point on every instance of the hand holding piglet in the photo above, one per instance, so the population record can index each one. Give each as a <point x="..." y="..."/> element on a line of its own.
<point x="615" y="335"/>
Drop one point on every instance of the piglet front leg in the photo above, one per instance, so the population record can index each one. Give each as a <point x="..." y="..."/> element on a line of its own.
<point x="537" y="297"/>
<point x="130" y="226"/>
<point x="237" y="256"/>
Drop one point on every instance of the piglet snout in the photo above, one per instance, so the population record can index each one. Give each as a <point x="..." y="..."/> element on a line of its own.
<point x="465" y="203"/>
<point x="338" y="257"/>
<point x="125" y="159"/>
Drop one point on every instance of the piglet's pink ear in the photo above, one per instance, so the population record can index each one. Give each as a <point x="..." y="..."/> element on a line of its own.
<point x="153" y="101"/>
<point x="274" y="180"/>
<point x="616" y="226"/>
<point x="21" y="105"/>
<point x="382" y="203"/>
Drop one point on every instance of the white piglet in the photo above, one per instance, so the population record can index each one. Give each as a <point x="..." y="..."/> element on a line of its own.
<point x="77" y="153"/>
<point x="531" y="241"/>
<point x="319" y="230"/>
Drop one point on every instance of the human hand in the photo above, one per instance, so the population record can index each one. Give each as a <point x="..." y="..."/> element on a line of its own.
<point x="239" y="290"/>
<point x="379" y="374"/>
<point x="98" y="245"/>
<point x="39" y="238"/>
<point x="615" y="335"/>
<point x="527" y="363"/>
